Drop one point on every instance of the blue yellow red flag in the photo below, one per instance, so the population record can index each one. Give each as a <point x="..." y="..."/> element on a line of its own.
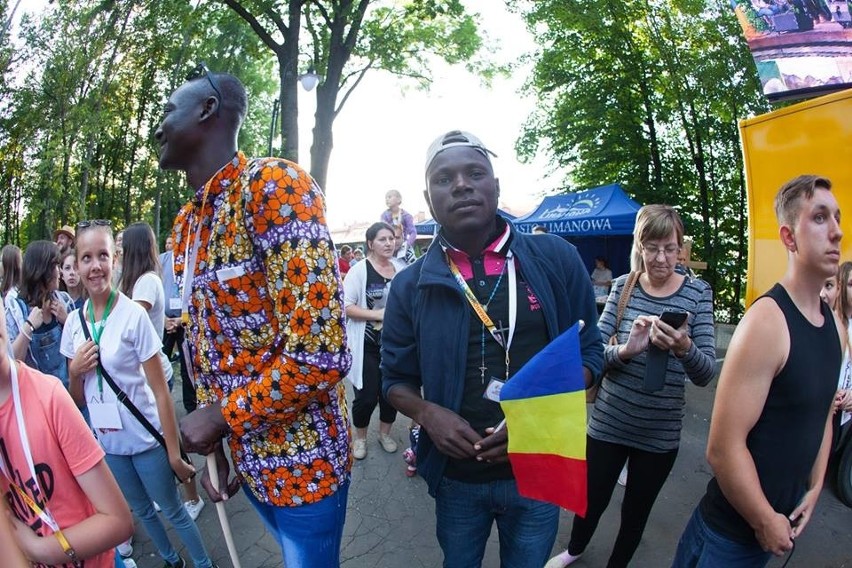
<point x="545" y="408"/>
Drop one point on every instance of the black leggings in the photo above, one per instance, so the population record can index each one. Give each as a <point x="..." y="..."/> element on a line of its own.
<point x="370" y="392"/>
<point x="647" y="472"/>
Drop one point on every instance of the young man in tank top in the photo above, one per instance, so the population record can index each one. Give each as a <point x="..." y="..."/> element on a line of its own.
<point x="761" y="498"/>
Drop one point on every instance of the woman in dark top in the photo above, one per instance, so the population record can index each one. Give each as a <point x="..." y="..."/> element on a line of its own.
<point x="365" y="289"/>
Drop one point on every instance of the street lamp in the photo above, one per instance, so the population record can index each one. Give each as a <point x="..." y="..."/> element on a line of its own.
<point x="310" y="79"/>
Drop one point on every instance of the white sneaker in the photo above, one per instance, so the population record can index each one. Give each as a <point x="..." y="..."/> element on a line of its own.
<point x="125" y="549"/>
<point x="387" y="443"/>
<point x="359" y="448"/>
<point x="129" y="563"/>
<point x="194" y="507"/>
<point x="562" y="560"/>
<point x="622" y="477"/>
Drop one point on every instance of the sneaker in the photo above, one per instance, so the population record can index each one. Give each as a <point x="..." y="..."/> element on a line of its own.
<point x="181" y="563"/>
<point x="129" y="563"/>
<point x="562" y="560"/>
<point x="387" y="443"/>
<point x="125" y="549"/>
<point x="359" y="448"/>
<point x="410" y="471"/>
<point x="622" y="477"/>
<point x="194" y="507"/>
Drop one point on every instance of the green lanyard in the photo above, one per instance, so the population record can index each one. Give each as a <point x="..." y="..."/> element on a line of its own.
<point x="97" y="330"/>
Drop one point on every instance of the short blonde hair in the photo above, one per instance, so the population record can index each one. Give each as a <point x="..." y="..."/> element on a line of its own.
<point x="656" y="221"/>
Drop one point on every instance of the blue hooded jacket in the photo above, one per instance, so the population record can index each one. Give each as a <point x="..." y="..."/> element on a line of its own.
<point x="427" y="318"/>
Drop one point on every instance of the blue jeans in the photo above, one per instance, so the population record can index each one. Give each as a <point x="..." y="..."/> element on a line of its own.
<point x="465" y="513"/>
<point x="702" y="547"/>
<point x="309" y="535"/>
<point x="148" y="477"/>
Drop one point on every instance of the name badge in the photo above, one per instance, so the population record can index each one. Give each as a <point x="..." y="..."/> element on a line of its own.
<point x="104" y="415"/>
<point x="225" y="274"/>
<point x="492" y="391"/>
<point x="175" y="304"/>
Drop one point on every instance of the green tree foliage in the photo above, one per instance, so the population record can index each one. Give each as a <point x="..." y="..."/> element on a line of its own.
<point x="346" y="39"/>
<point x="648" y="94"/>
<point x="90" y="81"/>
<point x="82" y="91"/>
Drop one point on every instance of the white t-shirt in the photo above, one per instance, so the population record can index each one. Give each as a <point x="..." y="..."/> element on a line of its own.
<point x="149" y="288"/>
<point x="127" y="340"/>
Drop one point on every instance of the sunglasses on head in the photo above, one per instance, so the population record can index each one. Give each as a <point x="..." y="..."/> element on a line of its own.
<point x="201" y="70"/>
<point x="93" y="223"/>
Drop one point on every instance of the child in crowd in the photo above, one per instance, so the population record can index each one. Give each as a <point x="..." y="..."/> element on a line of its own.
<point x="80" y="514"/>
<point x="116" y="351"/>
<point x="69" y="279"/>
<point x="396" y="216"/>
<point x="410" y="453"/>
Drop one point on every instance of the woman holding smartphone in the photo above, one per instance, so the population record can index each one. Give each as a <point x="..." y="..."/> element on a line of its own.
<point x="633" y="418"/>
<point x="128" y="349"/>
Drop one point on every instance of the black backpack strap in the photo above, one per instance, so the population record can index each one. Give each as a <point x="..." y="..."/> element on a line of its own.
<point x="124" y="399"/>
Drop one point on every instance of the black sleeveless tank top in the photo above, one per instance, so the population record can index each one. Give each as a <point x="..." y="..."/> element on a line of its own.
<point x="785" y="441"/>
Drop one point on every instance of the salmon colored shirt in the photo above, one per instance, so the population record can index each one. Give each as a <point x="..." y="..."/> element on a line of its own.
<point x="266" y="326"/>
<point x="62" y="447"/>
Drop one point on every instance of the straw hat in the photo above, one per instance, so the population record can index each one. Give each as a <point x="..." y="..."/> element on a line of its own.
<point x="67" y="230"/>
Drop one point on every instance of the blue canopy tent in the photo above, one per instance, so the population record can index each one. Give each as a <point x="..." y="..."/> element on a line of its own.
<point x="430" y="227"/>
<point x="599" y="222"/>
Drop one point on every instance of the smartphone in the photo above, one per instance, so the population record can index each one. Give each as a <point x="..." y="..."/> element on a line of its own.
<point x="674" y="318"/>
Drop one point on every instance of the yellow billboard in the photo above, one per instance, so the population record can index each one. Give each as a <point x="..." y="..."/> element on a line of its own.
<point x="812" y="137"/>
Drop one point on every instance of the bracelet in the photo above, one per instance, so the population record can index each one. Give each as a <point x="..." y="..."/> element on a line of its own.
<point x="67" y="548"/>
<point x="29" y="323"/>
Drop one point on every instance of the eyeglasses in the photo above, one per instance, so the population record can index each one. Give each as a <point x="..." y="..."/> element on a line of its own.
<point x="93" y="223"/>
<point x="654" y="251"/>
<point x="201" y="70"/>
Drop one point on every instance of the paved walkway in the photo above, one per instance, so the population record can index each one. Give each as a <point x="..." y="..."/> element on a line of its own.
<point x="390" y="519"/>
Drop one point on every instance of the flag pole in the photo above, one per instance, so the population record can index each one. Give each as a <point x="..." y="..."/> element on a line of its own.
<point x="213" y="472"/>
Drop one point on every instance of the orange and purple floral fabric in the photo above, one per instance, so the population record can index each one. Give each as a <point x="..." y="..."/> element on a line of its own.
<point x="266" y="326"/>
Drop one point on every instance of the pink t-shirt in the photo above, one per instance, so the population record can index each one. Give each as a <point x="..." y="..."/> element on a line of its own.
<point x="62" y="447"/>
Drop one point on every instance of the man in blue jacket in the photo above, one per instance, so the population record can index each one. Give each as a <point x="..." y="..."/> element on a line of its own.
<point x="458" y="324"/>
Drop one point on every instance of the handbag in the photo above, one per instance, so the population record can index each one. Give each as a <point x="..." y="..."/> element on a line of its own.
<point x="125" y="400"/>
<point x="623" y="297"/>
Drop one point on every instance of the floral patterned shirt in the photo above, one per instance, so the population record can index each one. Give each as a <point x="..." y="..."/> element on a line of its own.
<point x="266" y="326"/>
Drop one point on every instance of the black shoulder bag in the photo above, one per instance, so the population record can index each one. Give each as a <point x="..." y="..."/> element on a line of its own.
<point x="125" y="400"/>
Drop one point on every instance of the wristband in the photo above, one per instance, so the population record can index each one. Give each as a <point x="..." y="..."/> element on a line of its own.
<point x="29" y="323"/>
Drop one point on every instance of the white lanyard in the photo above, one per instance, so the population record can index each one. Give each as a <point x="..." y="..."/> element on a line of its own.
<point x="513" y="300"/>
<point x="191" y="257"/>
<point x="43" y="513"/>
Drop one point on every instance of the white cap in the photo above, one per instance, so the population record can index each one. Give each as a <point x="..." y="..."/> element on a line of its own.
<point x="455" y="139"/>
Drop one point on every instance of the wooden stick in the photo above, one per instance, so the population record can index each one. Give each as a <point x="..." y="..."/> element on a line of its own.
<point x="213" y="471"/>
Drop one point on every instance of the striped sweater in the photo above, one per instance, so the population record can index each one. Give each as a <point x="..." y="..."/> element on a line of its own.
<point x="623" y="412"/>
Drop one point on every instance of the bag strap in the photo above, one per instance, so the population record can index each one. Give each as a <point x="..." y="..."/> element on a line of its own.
<point x="624" y="296"/>
<point x="124" y="399"/>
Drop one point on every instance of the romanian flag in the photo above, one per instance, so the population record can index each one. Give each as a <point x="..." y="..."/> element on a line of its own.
<point x="545" y="408"/>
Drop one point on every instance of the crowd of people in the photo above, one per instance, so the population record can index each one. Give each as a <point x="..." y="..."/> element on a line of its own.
<point x="268" y="319"/>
